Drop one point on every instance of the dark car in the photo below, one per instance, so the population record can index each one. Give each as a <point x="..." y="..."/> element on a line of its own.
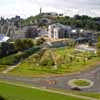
<point x="76" y="88"/>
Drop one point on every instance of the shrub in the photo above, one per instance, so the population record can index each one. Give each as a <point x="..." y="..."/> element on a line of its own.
<point x="39" y="41"/>
<point x="46" y="59"/>
<point x="46" y="62"/>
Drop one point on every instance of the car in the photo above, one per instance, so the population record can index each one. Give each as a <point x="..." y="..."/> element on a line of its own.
<point x="76" y="88"/>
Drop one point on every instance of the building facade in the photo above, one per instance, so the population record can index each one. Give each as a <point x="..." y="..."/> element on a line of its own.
<point x="58" y="31"/>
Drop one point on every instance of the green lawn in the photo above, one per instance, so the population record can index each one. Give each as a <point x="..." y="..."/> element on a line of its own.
<point x="81" y="82"/>
<point x="11" y="92"/>
<point x="87" y="94"/>
<point x="94" y="95"/>
<point x="11" y="59"/>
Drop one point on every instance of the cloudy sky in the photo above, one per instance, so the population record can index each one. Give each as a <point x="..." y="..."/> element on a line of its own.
<point x="26" y="8"/>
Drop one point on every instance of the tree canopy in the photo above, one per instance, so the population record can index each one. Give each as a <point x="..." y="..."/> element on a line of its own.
<point x="82" y="21"/>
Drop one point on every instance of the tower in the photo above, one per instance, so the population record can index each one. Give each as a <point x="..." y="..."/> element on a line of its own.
<point x="40" y="11"/>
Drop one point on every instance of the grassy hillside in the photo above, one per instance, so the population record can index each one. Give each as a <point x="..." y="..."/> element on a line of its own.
<point x="15" y="58"/>
<point x="56" y="61"/>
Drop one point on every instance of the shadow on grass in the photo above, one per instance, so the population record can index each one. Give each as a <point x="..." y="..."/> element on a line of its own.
<point x="1" y="98"/>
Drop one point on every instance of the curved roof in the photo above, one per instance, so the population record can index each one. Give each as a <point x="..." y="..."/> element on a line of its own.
<point x="3" y="38"/>
<point x="58" y="25"/>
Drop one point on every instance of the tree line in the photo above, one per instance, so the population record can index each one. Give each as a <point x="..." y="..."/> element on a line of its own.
<point x="84" y="21"/>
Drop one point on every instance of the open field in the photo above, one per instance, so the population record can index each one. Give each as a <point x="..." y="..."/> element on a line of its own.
<point x="11" y="92"/>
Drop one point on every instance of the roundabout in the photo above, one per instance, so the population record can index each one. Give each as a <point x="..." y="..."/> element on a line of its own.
<point x="80" y="83"/>
<point x="87" y="81"/>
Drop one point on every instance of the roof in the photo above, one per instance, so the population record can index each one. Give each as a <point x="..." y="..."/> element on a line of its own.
<point x="58" y="25"/>
<point x="3" y="38"/>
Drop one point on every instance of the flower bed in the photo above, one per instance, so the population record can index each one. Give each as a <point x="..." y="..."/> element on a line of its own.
<point x="80" y="83"/>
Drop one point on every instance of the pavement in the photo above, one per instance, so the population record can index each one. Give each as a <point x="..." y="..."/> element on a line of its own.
<point x="59" y="82"/>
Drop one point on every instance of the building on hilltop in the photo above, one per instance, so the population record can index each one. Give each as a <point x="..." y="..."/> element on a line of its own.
<point x="51" y="14"/>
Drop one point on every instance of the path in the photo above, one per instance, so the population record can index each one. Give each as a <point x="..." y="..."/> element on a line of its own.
<point x="8" y="69"/>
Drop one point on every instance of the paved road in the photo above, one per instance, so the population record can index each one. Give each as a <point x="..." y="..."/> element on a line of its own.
<point x="60" y="82"/>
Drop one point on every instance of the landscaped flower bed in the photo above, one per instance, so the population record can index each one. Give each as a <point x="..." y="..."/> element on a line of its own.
<point x="81" y="83"/>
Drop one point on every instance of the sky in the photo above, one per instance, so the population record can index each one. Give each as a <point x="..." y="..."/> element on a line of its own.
<point x="26" y="8"/>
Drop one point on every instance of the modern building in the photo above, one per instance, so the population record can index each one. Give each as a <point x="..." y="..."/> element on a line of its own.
<point x="58" y="31"/>
<point x="3" y="38"/>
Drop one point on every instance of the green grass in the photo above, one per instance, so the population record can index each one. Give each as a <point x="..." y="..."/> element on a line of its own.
<point x="11" y="92"/>
<point x="93" y="95"/>
<point x="62" y="51"/>
<point x="10" y="60"/>
<point x="30" y="68"/>
<point x="3" y="67"/>
<point x="15" y="58"/>
<point x="87" y="94"/>
<point x="81" y="83"/>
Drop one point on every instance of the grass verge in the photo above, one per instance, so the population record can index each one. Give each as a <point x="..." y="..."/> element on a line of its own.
<point x="12" y="92"/>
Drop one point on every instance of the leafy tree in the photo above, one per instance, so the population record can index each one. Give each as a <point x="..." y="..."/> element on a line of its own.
<point x="98" y="46"/>
<point x="6" y="48"/>
<point x="83" y="21"/>
<point x="23" y="44"/>
<point x="90" y="43"/>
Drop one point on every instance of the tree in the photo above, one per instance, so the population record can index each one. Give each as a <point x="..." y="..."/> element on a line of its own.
<point x="83" y="21"/>
<point x="90" y="43"/>
<point x="98" y="46"/>
<point x="77" y="17"/>
<point x="7" y="48"/>
<point x="23" y="44"/>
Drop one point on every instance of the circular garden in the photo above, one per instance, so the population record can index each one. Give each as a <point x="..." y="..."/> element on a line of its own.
<point x="80" y="83"/>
